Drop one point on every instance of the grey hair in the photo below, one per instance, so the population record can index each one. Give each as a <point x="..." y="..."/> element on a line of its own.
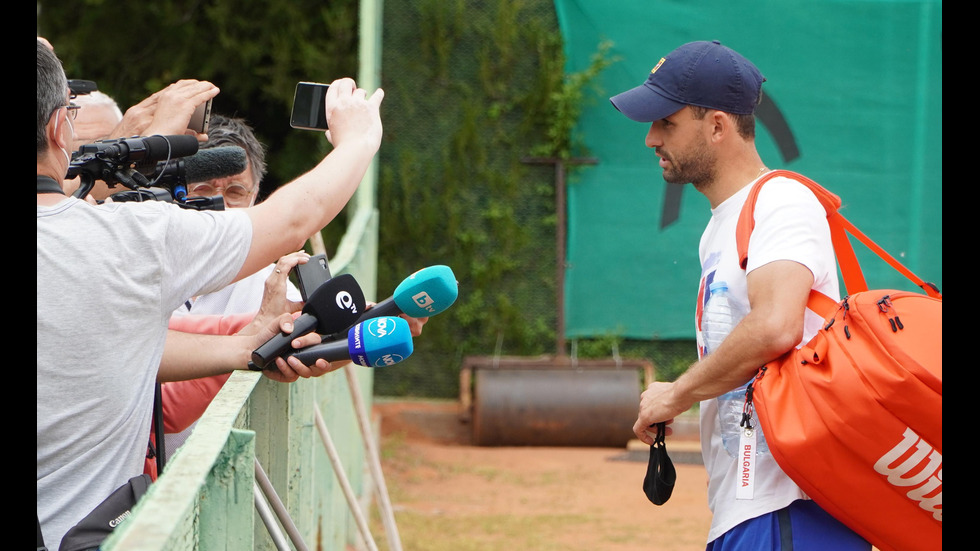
<point x="224" y="131"/>
<point x="97" y="99"/>
<point x="51" y="89"/>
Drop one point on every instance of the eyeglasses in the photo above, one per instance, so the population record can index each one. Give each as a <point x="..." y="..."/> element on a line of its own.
<point x="233" y="194"/>
<point x="73" y="110"/>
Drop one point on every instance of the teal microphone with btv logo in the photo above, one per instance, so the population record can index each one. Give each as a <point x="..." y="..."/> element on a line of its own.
<point x="427" y="292"/>
<point x="377" y="342"/>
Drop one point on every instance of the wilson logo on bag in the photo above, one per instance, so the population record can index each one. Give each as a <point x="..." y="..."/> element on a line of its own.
<point x="922" y="470"/>
<point x="854" y="416"/>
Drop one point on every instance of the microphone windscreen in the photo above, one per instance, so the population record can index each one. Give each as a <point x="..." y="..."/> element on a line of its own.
<point x="336" y="304"/>
<point x="161" y="148"/>
<point x="215" y="162"/>
<point x="332" y="307"/>
<point x="427" y="292"/>
<point x="380" y="341"/>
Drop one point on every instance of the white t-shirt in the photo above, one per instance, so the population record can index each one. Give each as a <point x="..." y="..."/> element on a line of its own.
<point x="108" y="278"/>
<point x="241" y="297"/>
<point x="790" y="225"/>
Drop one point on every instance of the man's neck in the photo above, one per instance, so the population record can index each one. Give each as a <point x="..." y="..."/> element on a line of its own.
<point x="733" y="175"/>
<point x="45" y="168"/>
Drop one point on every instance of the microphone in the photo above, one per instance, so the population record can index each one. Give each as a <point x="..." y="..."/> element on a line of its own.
<point x="333" y="306"/>
<point x="111" y="160"/>
<point x="141" y="150"/>
<point x="427" y="292"/>
<point x="216" y="162"/>
<point x="376" y="342"/>
<point x="206" y="164"/>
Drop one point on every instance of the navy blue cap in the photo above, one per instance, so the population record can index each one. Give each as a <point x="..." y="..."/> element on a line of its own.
<point x="705" y="74"/>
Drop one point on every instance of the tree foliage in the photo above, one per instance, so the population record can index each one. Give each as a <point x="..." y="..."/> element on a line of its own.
<point x="255" y="52"/>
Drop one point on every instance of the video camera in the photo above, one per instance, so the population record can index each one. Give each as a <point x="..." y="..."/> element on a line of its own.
<point x="153" y="168"/>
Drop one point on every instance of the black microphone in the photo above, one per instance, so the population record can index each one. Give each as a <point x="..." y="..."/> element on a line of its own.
<point x="125" y="151"/>
<point x="333" y="306"/>
<point x="206" y="164"/>
<point x="376" y="342"/>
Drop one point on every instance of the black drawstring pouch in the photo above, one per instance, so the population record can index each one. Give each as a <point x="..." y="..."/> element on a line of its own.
<point x="659" y="481"/>
<point x="89" y="533"/>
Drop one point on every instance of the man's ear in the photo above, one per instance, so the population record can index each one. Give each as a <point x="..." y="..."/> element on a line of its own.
<point x="57" y="125"/>
<point x="719" y="125"/>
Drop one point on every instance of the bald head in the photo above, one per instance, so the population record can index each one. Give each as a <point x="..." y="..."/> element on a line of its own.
<point x="98" y="116"/>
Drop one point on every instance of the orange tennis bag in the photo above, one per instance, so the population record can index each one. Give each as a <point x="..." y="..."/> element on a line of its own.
<point x="855" y="416"/>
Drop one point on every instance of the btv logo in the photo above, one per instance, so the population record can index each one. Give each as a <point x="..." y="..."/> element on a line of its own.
<point x="379" y="327"/>
<point x="424" y="301"/>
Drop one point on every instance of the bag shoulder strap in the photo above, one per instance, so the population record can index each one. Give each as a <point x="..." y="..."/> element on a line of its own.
<point x="40" y="537"/>
<point x="854" y="280"/>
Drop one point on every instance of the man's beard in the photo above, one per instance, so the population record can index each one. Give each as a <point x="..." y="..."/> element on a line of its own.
<point x="697" y="167"/>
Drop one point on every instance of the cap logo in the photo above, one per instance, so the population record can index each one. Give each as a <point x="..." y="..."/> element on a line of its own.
<point x="661" y="62"/>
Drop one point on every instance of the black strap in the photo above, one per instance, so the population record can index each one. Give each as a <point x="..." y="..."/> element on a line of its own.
<point x="785" y="528"/>
<point x="46" y="184"/>
<point x="158" y="428"/>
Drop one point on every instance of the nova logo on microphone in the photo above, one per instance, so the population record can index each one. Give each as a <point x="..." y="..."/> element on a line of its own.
<point x="379" y="327"/>
<point x="346" y="302"/>
<point x="388" y="359"/>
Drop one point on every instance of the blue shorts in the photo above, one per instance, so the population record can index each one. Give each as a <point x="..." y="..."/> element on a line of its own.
<point x="803" y="526"/>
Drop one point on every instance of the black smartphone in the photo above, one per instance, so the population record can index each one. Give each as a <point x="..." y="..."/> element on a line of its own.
<point x="201" y="118"/>
<point x="311" y="275"/>
<point x="309" y="111"/>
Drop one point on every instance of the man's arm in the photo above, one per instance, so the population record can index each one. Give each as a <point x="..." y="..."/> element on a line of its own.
<point x="284" y="221"/>
<point x="190" y="355"/>
<point x="778" y="294"/>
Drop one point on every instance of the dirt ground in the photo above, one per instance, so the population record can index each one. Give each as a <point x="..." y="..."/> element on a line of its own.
<point x="450" y="495"/>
